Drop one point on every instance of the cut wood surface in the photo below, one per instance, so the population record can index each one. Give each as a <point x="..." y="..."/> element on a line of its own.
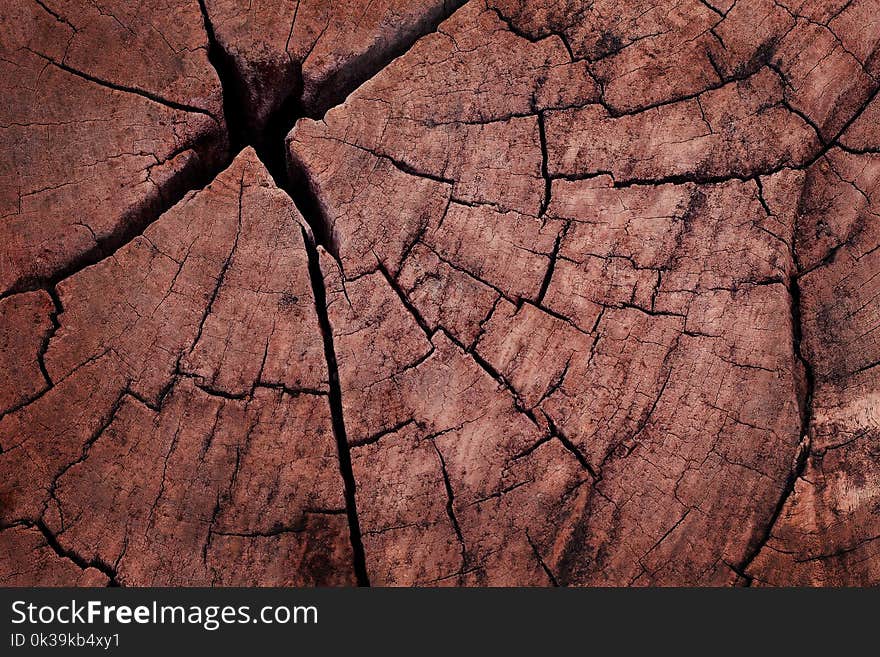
<point x="497" y="292"/>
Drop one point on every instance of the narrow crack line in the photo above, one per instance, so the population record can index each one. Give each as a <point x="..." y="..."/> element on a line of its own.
<point x="556" y="384"/>
<point x="290" y="32"/>
<point x="864" y="150"/>
<point x="264" y="533"/>
<point x="681" y="179"/>
<point x="713" y="8"/>
<point x="750" y="71"/>
<point x="459" y="268"/>
<point x="57" y="309"/>
<point x="287" y="390"/>
<point x="172" y="447"/>
<point x="545" y="171"/>
<point x="541" y="561"/>
<point x="823" y="147"/>
<point x="852" y="119"/>
<point x="241" y="450"/>
<point x="562" y="318"/>
<point x="112" y="412"/>
<point x="215" y="513"/>
<point x="336" y="411"/>
<point x="551" y="266"/>
<point x="413" y="311"/>
<point x="500" y="492"/>
<point x="221" y="276"/>
<point x="572" y="448"/>
<point x="865" y="368"/>
<point x="198" y="382"/>
<point x="98" y="564"/>
<point x="543" y="440"/>
<point x="115" y="86"/>
<point x="450" y="505"/>
<point x="646" y="420"/>
<point x="522" y="34"/>
<point x="376" y="437"/>
<point x="58" y="17"/>
<point x="398" y="164"/>
<point x="839" y="552"/>
<point x="630" y="442"/>
<point x="27" y="401"/>
<point x="277" y="529"/>
<point x="500" y="379"/>
<point x="667" y="533"/>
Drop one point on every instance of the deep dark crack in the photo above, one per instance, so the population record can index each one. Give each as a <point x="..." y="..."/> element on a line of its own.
<point x="336" y="412"/>
<point x="52" y="541"/>
<point x="802" y="452"/>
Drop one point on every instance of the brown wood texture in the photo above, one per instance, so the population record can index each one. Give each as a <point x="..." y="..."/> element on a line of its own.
<point x="497" y="292"/>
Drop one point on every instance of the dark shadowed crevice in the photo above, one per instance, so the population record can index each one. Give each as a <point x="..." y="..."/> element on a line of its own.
<point x="545" y="173"/>
<point x="268" y="136"/>
<point x="230" y="85"/>
<point x="337" y="88"/>
<point x="269" y="140"/>
<point x="805" y="404"/>
<point x="52" y="541"/>
<point x="805" y="400"/>
<point x="209" y="157"/>
<point x="551" y="266"/>
<point x="57" y="309"/>
<point x="290" y="177"/>
<point x="336" y="414"/>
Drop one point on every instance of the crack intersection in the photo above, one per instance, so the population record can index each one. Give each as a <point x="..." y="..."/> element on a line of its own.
<point x="290" y="176"/>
